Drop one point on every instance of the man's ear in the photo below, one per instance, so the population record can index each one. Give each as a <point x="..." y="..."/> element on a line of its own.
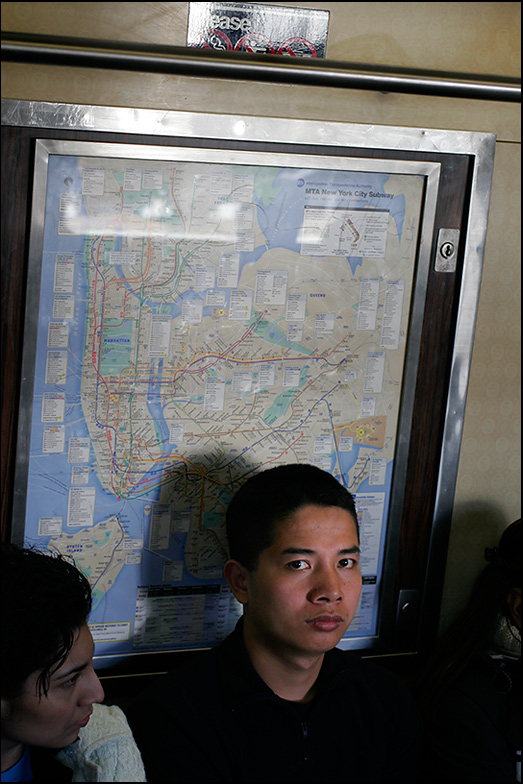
<point x="238" y="578"/>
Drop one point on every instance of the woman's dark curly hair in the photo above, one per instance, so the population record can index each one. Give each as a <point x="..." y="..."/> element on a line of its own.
<point x="45" y="601"/>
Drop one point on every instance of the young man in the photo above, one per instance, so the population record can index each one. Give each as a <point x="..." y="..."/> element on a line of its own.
<point x="276" y="701"/>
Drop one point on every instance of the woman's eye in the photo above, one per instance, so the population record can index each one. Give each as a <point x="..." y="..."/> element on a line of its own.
<point x="67" y="684"/>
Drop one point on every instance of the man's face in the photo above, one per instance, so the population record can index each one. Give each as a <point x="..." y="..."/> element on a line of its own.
<point x="54" y="720"/>
<point x="303" y="594"/>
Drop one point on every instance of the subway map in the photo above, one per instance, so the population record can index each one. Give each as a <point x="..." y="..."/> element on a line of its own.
<point x="199" y="322"/>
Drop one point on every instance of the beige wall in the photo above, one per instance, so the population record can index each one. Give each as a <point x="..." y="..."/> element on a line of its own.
<point x="475" y="38"/>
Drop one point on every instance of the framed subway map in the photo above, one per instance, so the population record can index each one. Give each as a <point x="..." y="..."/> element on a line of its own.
<point x="196" y="297"/>
<point x="200" y="316"/>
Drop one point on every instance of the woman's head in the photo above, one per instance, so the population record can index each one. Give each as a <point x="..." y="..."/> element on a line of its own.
<point x="48" y="682"/>
<point x="45" y="601"/>
<point x="54" y="719"/>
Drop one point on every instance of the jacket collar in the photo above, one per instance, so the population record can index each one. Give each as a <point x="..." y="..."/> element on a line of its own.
<point x="241" y="683"/>
<point x="239" y="680"/>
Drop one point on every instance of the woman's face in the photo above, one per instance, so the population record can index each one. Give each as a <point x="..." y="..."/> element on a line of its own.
<point x="53" y="720"/>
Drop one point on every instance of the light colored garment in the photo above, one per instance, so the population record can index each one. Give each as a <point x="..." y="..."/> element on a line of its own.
<point x="105" y="749"/>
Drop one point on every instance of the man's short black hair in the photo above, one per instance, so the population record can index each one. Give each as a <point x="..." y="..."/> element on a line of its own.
<point x="45" y="601"/>
<point x="270" y="497"/>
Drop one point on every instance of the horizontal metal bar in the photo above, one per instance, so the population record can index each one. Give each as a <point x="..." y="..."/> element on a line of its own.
<point x="244" y="66"/>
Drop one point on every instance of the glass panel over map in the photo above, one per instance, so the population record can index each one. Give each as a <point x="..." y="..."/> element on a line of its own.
<point x="198" y="322"/>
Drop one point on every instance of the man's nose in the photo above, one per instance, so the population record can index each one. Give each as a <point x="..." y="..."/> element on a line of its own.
<point x="327" y="586"/>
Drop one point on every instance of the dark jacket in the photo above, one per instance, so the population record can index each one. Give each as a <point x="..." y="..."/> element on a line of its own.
<point x="474" y="727"/>
<point x="215" y="719"/>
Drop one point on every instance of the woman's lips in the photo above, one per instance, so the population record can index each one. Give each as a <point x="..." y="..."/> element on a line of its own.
<point x="85" y="722"/>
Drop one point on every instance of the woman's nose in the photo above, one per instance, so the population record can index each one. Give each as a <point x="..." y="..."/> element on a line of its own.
<point x="93" y="690"/>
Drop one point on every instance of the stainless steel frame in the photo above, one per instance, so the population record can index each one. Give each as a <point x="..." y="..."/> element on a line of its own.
<point x="334" y="135"/>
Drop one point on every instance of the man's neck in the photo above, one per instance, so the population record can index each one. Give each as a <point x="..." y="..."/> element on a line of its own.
<point x="290" y="675"/>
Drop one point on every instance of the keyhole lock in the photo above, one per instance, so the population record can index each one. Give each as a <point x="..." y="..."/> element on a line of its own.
<point x="447" y="253"/>
<point x="446" y="250"/>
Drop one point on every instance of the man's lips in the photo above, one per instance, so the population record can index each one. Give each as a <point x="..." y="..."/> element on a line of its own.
<point x="326" y="623"/>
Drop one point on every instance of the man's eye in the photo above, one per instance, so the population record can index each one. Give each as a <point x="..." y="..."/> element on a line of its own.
<point x="348" y="563"/>
<point x="297" y="565"/>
